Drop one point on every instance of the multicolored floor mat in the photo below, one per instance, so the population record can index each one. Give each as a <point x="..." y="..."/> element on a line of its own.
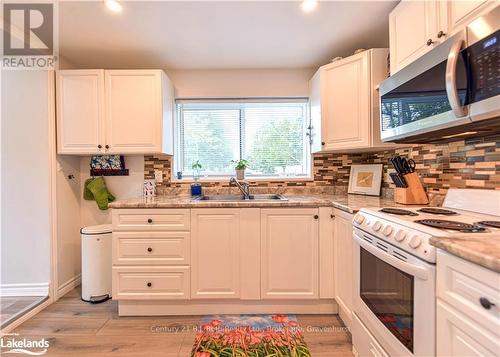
<point x="249" y="336"/>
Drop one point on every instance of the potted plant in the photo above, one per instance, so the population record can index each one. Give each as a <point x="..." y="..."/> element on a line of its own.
<point x="240" y="167"/>
<point x="196" y="186"/>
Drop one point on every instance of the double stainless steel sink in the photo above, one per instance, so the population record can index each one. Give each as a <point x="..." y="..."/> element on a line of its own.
<point x="239" y="198"/>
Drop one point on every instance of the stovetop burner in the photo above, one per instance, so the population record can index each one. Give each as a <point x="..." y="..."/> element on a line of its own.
<point x="494" y="224"/>
<point x="398" y="211"/>
<point x="452" y="225"/>
<point x="433" y="210"/>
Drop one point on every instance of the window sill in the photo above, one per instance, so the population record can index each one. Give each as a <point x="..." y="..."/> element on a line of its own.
<point x="250" y="179"/>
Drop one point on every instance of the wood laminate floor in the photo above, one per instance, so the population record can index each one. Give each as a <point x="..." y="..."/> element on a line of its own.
<point x="75" y="328"/>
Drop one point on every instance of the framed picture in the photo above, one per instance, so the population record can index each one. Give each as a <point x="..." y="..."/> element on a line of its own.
<point x="365" y="179"/>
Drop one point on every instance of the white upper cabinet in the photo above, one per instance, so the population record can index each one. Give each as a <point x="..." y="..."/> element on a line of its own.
<point x="416" y="27"/>
<point x="80" y="111"/>
<point x="413" y="28"/>
<point x="457" y="14"/>
<point x="344" y="103"/>
<point x="114" y="112"/>
<point x="290" y="257"/>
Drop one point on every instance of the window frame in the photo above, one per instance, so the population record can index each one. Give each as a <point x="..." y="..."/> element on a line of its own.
<point x="228" y="101"/>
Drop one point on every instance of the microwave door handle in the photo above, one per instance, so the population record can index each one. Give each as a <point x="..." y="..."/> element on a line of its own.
<point x="451" y="79"/>
<point x="408" y="268"/>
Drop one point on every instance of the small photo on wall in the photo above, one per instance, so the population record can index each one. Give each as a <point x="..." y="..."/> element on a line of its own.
<point x="365" y="179"/>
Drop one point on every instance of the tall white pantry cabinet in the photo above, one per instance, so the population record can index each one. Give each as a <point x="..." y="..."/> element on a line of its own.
<point x="114" y="112"/>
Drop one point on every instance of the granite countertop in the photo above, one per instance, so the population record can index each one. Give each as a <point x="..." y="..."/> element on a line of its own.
<point x="484" y="251"/>
<point x="345" y="202"/>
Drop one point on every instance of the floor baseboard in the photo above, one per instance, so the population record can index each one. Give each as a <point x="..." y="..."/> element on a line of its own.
<point x="69" y="285"/>
<point x="40" y="289"/>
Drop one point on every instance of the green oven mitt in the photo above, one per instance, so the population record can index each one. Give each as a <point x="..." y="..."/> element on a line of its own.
<point x="100" y="192"/>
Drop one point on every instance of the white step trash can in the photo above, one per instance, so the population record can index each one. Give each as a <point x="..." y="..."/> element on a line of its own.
<point x="96" y="263"/>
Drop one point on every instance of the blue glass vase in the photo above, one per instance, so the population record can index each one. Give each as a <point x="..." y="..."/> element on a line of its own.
<point x="196" y="189"/>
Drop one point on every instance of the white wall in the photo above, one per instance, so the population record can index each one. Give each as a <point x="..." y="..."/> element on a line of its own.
<point x="241" y="83"/>
<point x="25" y="226"/>
<point x="121" y="187"/>
<point x="68" y="222"/>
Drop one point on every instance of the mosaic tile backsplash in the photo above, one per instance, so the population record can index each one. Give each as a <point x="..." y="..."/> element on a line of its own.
<point x="471" y="163"/>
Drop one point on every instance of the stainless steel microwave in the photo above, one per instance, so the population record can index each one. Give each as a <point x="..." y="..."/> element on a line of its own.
<point x="452" y="91"/>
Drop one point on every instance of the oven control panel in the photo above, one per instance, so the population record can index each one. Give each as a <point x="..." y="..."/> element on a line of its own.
<point x="403" y="237"/>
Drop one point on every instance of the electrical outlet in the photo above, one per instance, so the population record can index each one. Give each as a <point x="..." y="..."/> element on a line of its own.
<point x="158" y="176"/>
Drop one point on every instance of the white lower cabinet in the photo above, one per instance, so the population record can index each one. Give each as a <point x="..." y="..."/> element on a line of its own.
<point x="150" y="282"/>
<point x="468" y="308"/>
<point x="251" y="260"/>
<point x="458" y="335"/>
<point x="215" y="253"/>
<point x="289" y="253"/>
<point x="343" y="264"/>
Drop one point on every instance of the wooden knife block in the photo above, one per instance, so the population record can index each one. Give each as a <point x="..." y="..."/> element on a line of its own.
<point x="414" y="194"/>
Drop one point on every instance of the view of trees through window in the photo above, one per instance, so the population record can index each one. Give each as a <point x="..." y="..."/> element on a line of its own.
<point x="270" y="135"/>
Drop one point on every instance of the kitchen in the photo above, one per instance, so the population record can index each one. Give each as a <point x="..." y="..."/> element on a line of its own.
<point x="328" y="197"/>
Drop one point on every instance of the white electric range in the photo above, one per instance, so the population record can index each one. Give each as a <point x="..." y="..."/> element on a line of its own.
<point x="394" y="268"/>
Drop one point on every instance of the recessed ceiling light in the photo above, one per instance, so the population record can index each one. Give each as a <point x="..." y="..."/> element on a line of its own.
<point x="309" y="5"/>
<point x="113" y="5"/>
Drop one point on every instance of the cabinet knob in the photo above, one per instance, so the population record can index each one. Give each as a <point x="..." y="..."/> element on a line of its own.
<point x="441" y="34"/>
<point x="332" y="216"/>
<point x="316" y="216"/>
<point x="149" y="284"/>
<point x="487" y="304"/>
<point x="429" y="42"/>
<point x="107" y="146"/>
<point x="150" y="220"/>
<point x="150" y="249"/>
<point x="99" y="146"/>
<point x="322" y="143"/>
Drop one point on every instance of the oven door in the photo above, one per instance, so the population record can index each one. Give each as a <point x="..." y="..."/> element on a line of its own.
<point x="428" y="95"/>
<point x="394" y="296"/>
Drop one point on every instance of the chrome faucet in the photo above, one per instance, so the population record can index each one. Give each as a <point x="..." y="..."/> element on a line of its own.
<point x="242" y="185"/>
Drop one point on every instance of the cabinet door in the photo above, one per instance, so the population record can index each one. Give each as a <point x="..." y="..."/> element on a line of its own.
<point x="315" y="112"/>
<point x="80" y="111"/>
<point x="346" y="103"/>
<point x="134" y="111"/>
<point x="343" y="264"/>
<point x="289" y="253"/>
<point x="460" y="13"/>
<point x="215" y="235"/>
<point x="457" y="335"/>
<point x="411" y="25"/>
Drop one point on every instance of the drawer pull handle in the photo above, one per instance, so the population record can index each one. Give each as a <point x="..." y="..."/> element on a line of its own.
<point x="150" y="220"/>
<point x="316" y="216"/>
<point x="150" y="249"/>
<point x="149" y="284"/>
<point x="487" y="304"/>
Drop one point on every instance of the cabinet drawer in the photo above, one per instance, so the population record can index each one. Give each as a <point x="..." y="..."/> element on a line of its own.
<point x="151" y="219"/>
<point x="151" y="248"/>
<point x="141" y="283"/>
<point x="458" y="335"/>
<point x="462" y="284"/>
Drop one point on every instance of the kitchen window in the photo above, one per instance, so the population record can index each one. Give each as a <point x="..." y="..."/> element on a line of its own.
<point x="270" y="134"/>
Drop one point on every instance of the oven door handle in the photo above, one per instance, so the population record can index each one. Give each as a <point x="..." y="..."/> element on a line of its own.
<point x="411" y="269"/>
<point x="451" y="79"/>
